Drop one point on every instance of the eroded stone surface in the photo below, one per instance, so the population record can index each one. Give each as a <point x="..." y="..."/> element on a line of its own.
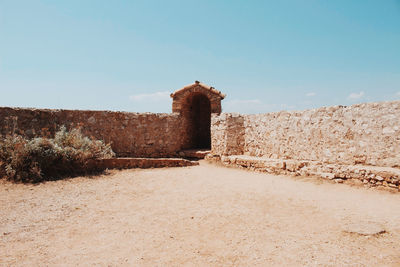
<point x="366" y="134"/>
<point x="337" y="143"/>
<point x="130" y="134"/>
<point x="195" y="103"/>
<point x="371" y="175"/>
<point x="359" y="142"/>
<point x="179" y="96"/>
<point x="128" y="163"/>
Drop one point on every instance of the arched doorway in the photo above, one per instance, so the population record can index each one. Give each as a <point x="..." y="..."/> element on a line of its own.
<point x="199" y="119"/>
<point x="195" y="103"/>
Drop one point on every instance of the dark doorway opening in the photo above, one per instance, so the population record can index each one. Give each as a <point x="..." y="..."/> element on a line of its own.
<point x="199" y="120"/>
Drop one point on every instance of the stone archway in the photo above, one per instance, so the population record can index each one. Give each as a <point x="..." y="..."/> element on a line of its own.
<point x="198" y="117"/>
<point x="195" y="103"/>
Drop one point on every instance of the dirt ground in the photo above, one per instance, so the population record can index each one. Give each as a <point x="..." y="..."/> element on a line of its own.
<point x="197" y="216"/>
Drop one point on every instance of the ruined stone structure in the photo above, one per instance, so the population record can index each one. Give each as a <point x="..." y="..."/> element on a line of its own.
<point x="130" y="134"/>
<point x="357" y="142"/>
<point x="195" y="103"/>
<point x="360" y="134"/>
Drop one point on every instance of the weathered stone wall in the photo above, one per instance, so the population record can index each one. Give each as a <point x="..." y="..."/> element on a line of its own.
<point x="370" y="176"/>
<point x="227" y="134"/>
<point x="180" y="97"/>
<point x="130" y="134"/>
<point x="367" y="134"/>
<point x="195" y="103"/>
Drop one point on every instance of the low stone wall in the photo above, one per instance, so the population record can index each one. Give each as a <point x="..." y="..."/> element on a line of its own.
<point x="144" y="163"/>
<point x="366" y="134"/>
<point x="371" y="176"/>
<point x="130" y="134"/>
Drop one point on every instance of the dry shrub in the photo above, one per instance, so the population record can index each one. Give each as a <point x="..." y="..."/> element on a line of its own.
<point x="41" y="158"/>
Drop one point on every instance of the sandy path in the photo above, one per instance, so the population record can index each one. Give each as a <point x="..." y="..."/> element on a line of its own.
<point x="196" y="216"/>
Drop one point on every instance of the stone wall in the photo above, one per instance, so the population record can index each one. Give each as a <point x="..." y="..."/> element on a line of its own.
<point x="195" y="102"/>
<point x="370" y="176"/>
<point x="180" y="97"/>
<point x="130" y="134"/>
<point x="367" y="134"/>
<point x="227" y="134"/>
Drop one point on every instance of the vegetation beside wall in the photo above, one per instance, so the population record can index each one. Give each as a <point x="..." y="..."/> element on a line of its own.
<point x="41" y="158"/>
<point x="145" y="135"/>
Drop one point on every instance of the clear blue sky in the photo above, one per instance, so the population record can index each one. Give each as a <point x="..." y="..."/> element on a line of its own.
<point x="265" y="55"/>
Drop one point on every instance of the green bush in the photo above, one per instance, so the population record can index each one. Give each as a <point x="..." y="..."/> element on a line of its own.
<point x="39" y="159"/>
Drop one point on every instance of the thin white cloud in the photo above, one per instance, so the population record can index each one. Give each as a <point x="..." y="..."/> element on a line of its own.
<point x="311" y="94"/>
<point x="354" y="96"/>
<point x="153" y="97"/>
<point x="287" y="107"/>
<point x="244" y="102"/>
<point x="397" y="94"/>
<point x="253" y="106"/>
<point x="247" y="106"/>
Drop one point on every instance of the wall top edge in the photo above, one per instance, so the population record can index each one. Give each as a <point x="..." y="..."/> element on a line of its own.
<point x="323" y="108"/>
<point x="85" y="110"/>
